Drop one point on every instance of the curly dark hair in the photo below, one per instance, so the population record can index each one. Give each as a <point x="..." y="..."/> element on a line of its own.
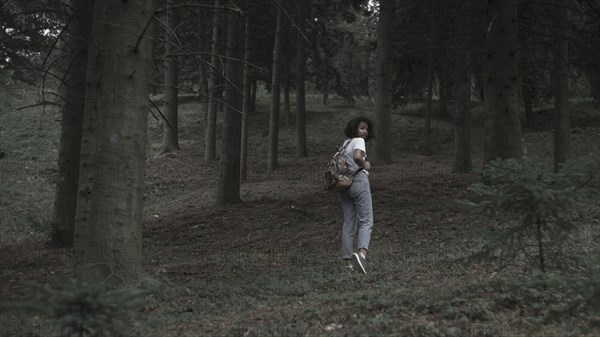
<point x="350" y="130"/>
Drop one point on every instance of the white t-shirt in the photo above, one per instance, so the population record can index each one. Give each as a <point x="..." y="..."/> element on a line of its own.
<point x="355" y="143"/>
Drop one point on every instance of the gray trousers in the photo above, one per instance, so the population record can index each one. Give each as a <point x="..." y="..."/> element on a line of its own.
<point x="358" y="214"/>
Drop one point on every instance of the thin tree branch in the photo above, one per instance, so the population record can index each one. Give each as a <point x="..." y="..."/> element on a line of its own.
<point x="161" y="115"/>
<point x="42" y="103"/>
<point x="292" y="22"/>
<point x="137" y="44"/>
<point x="233" y="9"/>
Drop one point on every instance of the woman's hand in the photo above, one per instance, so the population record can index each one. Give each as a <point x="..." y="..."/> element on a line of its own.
<point x="361" y="160"/>
<point x="367" y="165"/>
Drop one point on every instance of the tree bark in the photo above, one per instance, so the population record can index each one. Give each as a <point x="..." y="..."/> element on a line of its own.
<point x="503" y="123"/>
<point x="325" y="91"/>
<point x="108" y="231"/>
<point x="284" y="64"/>
<point x="210" y="141"/>
<point x="562" y="133"/>
<point x="428" y="112"/>
<point x="462" y="87"/>
<point x="443" y="89"/>
<point x="479" y="25"/>
<point x="527" y="81"/>
<point x="301" y="150"/>
<point x="72" y="90"/>
<point x="229" y="172"/>
<point x="383" y="95"/>
<point x="275" y="96"/>
<point x="286" y="98"/>
<point x="247" y="104"/>
<point x="203" y="92"/>
<point x="204" y="44"/>
<point x="170" y="139"/>
<point x="253" y="89"/>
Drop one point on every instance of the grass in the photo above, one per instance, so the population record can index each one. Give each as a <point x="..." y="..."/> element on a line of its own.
<point x="29" y="140"/>
<point x="270" y="267"/>
<point x="315" y="297"/>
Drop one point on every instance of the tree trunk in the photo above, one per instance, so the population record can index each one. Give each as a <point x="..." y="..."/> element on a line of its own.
<point x="428" y="112"/>
<point x="203" y="92"/>
<point x="462" y="116"/>
<point x="247" y="104"/>
<point x="73" y="91"/>
<point x="221" y="79"/>
<point x="301" y="150"/>
<point x="443" y="89"/>
<point x="383" y="95"/>
<point x="229" y="173"/>
<point x="108" y="227"/>
<point x="286" y="98"/>
<point x="562" y="133"/>
<point x="462" y="87"/>
<point x="275" y="99"/>
<point x="253" y="90"/>
<point x="540" y="240"/>
<point x="210" y="141"/>
<point x="203" y="96"/>
<point x="170" y="139"/>
<point x="527" y="80"/>
<point x="284" y="64"/>
<point x="527" y="93"/>
<point x="479" y="25"/>
<point x="503" y="123"/>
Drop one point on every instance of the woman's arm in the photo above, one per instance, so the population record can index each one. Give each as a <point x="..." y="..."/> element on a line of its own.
<point x="361" y="160"/>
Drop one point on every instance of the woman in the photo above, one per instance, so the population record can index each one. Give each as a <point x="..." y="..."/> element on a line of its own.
<point x="356" y="200"/>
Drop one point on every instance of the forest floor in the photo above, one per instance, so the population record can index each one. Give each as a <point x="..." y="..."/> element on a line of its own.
<point x="270" y="266"/>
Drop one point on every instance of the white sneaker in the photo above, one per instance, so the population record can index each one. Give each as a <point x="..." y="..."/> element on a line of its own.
<point x="360" y="261"/>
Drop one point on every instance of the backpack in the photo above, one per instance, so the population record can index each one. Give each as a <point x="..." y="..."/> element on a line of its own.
<point x="336" y="177"/>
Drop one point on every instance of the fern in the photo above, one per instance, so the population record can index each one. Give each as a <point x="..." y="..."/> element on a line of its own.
<point x="81" y="309"/>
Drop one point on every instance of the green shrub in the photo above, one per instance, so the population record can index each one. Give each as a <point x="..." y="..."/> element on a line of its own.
<point x="540" y="210"/>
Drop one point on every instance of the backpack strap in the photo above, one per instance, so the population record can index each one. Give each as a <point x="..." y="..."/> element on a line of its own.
<point x="345" y="144"/>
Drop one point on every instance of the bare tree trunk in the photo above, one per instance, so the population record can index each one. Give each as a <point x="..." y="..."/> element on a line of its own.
<point x="479" y="24"/>
<point x="462" y="117"/>
<point x="204" y="45"/>
<point x="108" y="227"/>
<point x="203" y="96"/>
<point x="383" y="95"/>
<point x="247" y="105"/>
<point x="221" y="81"/>
<point x="443" y="89"/>
<point x="210" y="142"/>
<point x="562" y="132"/>
<point x="462" y="87"/>
<point x="284" y="64"/>
<point x="301" y="151"/>
<point x="170" y="140"/>
<point x="503" y="123"/>
<point x="527" y="93"/>
<point x="527" y="81"/>
<point x="73" y="91"/>
<point x="428" y="112"/>
<point x="203" y="92"/>
<point x="253" y="94"/>
<point x="275" y="92"/>
<point x="229" y="172"/>
<point x="325" y="92"/>
<point x="286" y="98"/>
